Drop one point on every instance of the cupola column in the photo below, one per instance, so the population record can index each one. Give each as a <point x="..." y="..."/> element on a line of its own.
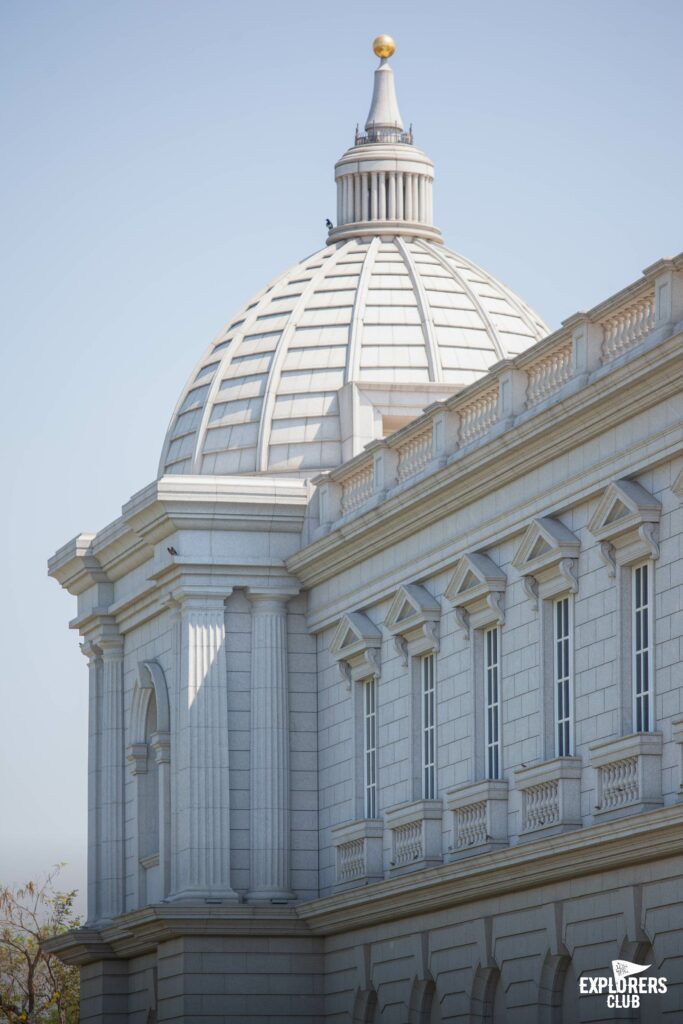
<point x="110" y="885"/>
<point x="200" y="863"/>
<point x="270" y="816"/>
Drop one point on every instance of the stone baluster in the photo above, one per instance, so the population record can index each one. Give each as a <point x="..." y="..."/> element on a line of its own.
<point x="270" y="838"/>
<point x="200" y="865"/>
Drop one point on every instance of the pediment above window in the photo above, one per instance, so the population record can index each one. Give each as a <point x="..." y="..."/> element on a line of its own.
<point x="626" y="522"/>
<point x="476" y="590"/>
<point x="413" y="620"/>
<point x="356" y="647"/>
<point x="547" y="559"/>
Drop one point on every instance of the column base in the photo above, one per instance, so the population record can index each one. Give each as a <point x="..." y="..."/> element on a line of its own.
<point x="270" y="896"/>
<point x="206" y="895"/>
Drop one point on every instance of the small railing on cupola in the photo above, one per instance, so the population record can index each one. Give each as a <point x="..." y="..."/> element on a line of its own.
<point x="382" y="133"/>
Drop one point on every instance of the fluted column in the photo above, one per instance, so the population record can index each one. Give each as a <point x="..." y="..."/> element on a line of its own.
<point x="399" y="196"/>
<point x="365" y="196"/>
<point x="269" y="833"/>
<point x="356" y="197"/>
<point x="93" y="653"/>
<point x="110" y="886"/>
<point x="200" y="864"/>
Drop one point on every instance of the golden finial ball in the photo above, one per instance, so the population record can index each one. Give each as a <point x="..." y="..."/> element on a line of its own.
<point x="384" y="46"/>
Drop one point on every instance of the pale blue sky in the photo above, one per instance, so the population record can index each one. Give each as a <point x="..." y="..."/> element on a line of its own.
<point x="162" y="160"/>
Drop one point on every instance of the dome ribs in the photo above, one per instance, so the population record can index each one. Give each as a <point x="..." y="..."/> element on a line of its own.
<point x="275" y="371"/>
<point x="433" y="359"/>
<point x="355" y="327"/>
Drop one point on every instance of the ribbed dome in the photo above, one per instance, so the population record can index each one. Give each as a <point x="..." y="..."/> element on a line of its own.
<point x="347" y="344"/>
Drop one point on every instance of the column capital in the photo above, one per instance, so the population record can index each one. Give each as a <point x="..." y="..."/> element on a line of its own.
<point x="278" y="596"/>
<point x="90" y="650"/>
<point x="201" y="600"/>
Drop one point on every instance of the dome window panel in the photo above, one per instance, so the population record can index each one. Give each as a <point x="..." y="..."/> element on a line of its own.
<point x="207" y="371"/>
<point x="242" y="387"/>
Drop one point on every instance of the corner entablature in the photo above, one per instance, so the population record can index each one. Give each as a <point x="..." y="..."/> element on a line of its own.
<point x="626" y="523"/>
<point x="356" y="647"/>
<point x="547" y="559"/>
<point x="413" y="621"/>
<point x="477" y="591"/>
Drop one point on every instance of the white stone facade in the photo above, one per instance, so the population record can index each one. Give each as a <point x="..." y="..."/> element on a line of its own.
<point x="404" y="742"/>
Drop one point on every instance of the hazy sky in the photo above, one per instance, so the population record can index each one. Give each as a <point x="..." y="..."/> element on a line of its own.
<point x="162" y="160"/>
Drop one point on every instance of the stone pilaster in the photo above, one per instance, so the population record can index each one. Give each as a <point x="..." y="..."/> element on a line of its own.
<point x="93" y="653"/>
<point x="200" y="867"/>
<point x="110" y="886"/>
<point x="269" y="831"/>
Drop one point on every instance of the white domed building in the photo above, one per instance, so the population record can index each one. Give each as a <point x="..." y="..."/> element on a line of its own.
<point x="385" y="705"/>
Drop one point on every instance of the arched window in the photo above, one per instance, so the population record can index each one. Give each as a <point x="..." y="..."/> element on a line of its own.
<point x="148" y="756"/>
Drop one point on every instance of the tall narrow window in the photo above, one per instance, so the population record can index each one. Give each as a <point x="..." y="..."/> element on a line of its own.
<point x="642" y="648"/>
<point x="562" y="671"/>
<point x="428" y="728"/>
<point x="370" y="734"/>
<point x="492" y="690"/>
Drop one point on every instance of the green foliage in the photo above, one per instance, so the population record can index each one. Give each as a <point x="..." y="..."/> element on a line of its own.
<point x="35" y="986"/>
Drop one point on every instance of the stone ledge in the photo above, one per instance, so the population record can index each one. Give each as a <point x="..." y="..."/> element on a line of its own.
<point x="638" y="839"/>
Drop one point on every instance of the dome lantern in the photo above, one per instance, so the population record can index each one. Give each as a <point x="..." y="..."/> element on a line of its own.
<point x="384" y="182"/>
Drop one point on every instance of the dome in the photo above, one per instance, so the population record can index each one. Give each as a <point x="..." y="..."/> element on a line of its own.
<point x="356" y="340"/>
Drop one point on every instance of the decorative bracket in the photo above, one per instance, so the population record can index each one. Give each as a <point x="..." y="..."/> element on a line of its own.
<point x="608" y="555"/>
<point x="649" y="535"/>
<point x="531" y="590"/>
<point x="401" y="645"/>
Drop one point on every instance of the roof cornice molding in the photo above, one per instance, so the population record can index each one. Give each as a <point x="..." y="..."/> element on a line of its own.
<point x="173" y="503"/>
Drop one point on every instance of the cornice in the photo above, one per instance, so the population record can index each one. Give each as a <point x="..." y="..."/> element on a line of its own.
<point x="535" y="438"/>
<point x="638" y="839"/>
<point x="251" y="504"/>
<point x="142" y="930"/>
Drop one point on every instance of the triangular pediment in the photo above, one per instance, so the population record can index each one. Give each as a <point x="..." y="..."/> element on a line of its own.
<point x="354" y="632"/>
<point x="545" y="541"/>
<point x="475" y="575"/>
<point x="469" y="581"/>
<point x="625" y="505"/>
<point x="412" y="605"/>
<point x="540" y="548"/>
<point x="619" y="510"/>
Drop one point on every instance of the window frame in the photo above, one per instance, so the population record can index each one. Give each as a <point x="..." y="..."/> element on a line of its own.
<point x="637" y="661"/>
<point x="493" y="749"/>
<point x="370" y="748"/>
<point x="428" y="725"/>
<point x="563" y="725"/>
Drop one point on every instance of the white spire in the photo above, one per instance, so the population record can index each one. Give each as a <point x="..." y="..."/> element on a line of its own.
<point x="384" y="112"/>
